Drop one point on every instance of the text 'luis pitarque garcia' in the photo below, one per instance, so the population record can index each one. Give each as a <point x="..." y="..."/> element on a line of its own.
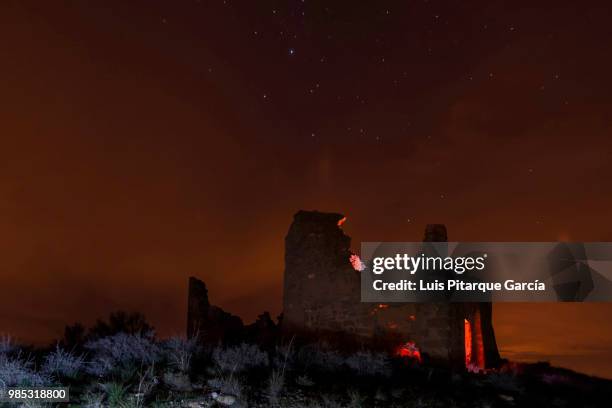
<point x="458" y="285"/>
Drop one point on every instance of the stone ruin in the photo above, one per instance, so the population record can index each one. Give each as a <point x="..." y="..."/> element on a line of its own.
<point x="212" y="325"/>
<point x="322" y="299"/>
<point x="322" y="302"/>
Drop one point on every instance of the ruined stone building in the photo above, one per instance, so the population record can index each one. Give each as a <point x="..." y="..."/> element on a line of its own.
<point x="212" y="325"/>
<point x="322" y="298"/>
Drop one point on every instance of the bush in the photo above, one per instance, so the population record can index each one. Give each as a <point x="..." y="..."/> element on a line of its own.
<point x="16" y="371"/>
<point x="504" y="382"/>
<point x="275" y="386"/>
<point x="93" y="400"/>
<point x="304" y="381"/>
<point x="331" y="402"/>
<point x="240" y="358"/>
<point x="116" y="394"/>
<point x="121" y="322"/>
<point x="314" y="356"/>
<point x="356" y="400"/>
<point x="367" y="363"/>
<point x="62" y="364"/>
<point x="227" y="385"/>
<point x="179" y="352"/>
<point x="121" y="352"/>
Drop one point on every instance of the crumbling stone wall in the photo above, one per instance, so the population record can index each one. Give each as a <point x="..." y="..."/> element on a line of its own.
<point x="212" y="325"/>
<point x="209" y="323"/>
<point x="321" y="288"/>
<point x="322" y="297"/>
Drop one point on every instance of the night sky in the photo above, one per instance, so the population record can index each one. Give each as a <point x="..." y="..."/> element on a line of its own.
<point x="142" y="142"/>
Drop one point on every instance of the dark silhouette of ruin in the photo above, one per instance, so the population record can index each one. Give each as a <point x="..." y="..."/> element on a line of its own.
<point x="322" y="302"/>
<point x="322" y="298"/>
<point x="213" y="325"/>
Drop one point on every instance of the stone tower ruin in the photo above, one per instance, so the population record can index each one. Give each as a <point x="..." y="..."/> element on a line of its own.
<point x="322" y="299"/>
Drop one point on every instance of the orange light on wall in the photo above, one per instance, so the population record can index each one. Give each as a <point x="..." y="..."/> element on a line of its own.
<point x="474" y="347"/>
<point x="379" y="307"/>
<point x="468" y="342"/>
<point x="392" y="326"/>
<point x="477" y="334"/>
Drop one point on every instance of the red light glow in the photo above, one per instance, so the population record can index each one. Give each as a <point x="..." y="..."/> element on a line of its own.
<point x="480" y="357"/>
<point x="409" y="350"/>
<point x="474" y="347"/>
<point x="356" y="262"/>
<point x="468" y="342"/>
